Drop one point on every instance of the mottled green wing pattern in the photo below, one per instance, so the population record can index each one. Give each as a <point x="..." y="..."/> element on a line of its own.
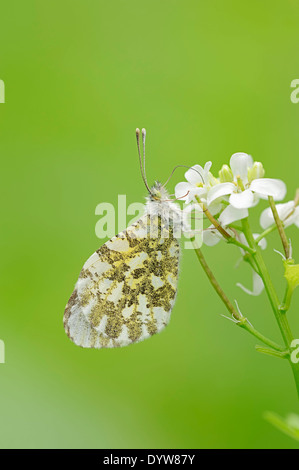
<point x="127" y="288"/>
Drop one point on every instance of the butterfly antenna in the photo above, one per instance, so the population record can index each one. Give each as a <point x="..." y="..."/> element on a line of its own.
<point x="142" y="166"/>
<point x="182" y="166"/>
<point x="143" y="145"/>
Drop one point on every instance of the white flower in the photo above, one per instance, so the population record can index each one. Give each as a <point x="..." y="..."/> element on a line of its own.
<point x="230" y="214"/>
<point x="288" y="214"/>
<point x="211" y="236"/>
<point x="262" y="243"/>
<point x="195" y="209"/>
<point x="199" y="183"/>
<point x="246" y="189"/>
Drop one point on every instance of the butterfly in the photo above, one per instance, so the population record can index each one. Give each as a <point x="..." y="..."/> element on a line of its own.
<point x="126" y="290"/>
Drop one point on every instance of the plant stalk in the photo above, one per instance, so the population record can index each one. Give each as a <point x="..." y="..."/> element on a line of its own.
<point x="281" y="318"/>
<point x="239" y="319"/>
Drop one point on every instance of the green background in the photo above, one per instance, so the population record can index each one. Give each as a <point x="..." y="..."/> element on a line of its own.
<point x="206" y="79"/>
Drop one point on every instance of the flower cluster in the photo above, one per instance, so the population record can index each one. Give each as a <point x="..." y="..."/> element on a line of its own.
<point x="223" y="204"/>
<point x="238" y="187"/>
<point x="227" y="199"/>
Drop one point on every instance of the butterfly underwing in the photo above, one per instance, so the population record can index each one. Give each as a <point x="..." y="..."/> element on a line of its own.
<point x="127" y="288"/>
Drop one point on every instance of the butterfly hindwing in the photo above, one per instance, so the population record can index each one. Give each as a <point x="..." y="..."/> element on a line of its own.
<point x="127" y="288"/>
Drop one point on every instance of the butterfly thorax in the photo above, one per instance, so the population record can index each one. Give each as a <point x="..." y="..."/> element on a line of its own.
<point x="159" y="203"/>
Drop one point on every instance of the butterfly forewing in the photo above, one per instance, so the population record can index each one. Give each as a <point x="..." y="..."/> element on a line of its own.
<point x="127" y="288"/>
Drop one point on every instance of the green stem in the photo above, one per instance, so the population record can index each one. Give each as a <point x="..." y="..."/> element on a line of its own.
<point x="281" y="318"/>
<point x="234" y="241"/>
<point x="250" y="259"/>
<point x="240" y="320"/>
<point x="263" y="271"/>
<point x="266" y="232"/>
<point x="221" y="230"/>
<point x="271" y="352"/>
<point x="284" y="307"/>
<point x="275" y="226"/>
<point x="214" y="283"/>
<point x="281" y="231"/>
<point x="248" y="327"/>
<point x="235" y="227"/>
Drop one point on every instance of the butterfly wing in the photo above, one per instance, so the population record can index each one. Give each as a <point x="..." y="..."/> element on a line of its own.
<point x="126" y="289"/>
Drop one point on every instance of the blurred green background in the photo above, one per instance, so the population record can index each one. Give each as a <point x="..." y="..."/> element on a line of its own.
<point x="206" y="79"/>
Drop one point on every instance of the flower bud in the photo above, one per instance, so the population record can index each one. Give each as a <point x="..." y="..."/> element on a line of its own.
<point x="256" y="171"/>
<point x="212" y="180"/>
<point x="226" y="174"/>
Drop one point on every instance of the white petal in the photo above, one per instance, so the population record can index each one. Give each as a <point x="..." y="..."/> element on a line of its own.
<point x="207" y="166"/>
<point x="239" y="163"/>
<point x="181" y="190"/>
<point x="195" y="175"/>
<point x="231" y="214"/>
<point x="222" y="189"/>
<point x="215" y="208"/>
<point x="190" y="226"/>
<point x="243" y="240"/>
<point x="194" y="191"/>
<point x="287" y="213"/>
<point x="269" y="187"/>
<point x="258" y="285"/>
<point x="256" y="199"/>
<point x="262" y="243"/>
<point x="242" y="200"/>
<point x="192" y="207"/>
<point x="267" y="219"/>
<point x="295" y="217"/>
<point x="206" y="170"/>
<point x="211" y="237"/>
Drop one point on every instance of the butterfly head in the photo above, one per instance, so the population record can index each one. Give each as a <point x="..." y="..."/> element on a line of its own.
<point x="158" y="193"/>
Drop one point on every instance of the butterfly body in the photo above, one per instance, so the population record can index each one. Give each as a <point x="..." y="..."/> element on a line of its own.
<point x="127" y="288"/>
